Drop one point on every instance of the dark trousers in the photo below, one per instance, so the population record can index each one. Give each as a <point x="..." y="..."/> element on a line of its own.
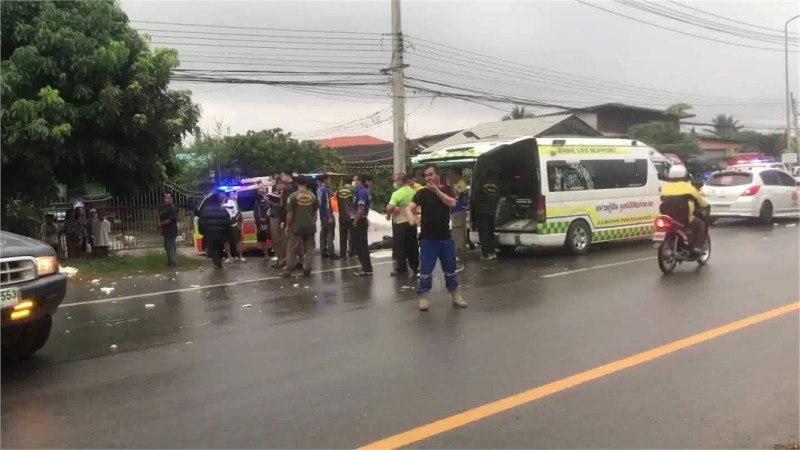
<point x="215" y="248"/>
<point x="445" y="252"/>
<point x="485" y="224"/>
<point x="172" y="250"/>
<point x="345" y="238"/>
<point x="234" y="238"/>
<point x="698" y="232"/>
<point x="327" y="231"/>
<point x="406" y="247"/>
<point x="361" y="245"/>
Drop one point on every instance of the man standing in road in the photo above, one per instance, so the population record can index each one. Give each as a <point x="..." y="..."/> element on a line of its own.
<point x="327" y="222"/>
<point x="344" y="197"/>
<point x="361" y="224"/>
<point x="437" y="242"/>
<point x="289" y="188"/>
<point x="404" y="236"/>
<point x="261" y="217"/>
<point x="301" y="224"/>
<point x="215" y="226"/>
<point x="458" y="215"/>
<point x="276" y="231"/>
<point x="485" y="211"/>
<point x="235" y="238"/>
<point x="169" y="229"/>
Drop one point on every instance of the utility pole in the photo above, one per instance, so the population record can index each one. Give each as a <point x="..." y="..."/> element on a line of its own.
<point x="794" y="125"/>
<point x="398" y="91"/>
<point x="788" y="101"/>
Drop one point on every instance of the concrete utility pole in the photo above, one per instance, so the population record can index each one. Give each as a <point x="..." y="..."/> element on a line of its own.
<point x="788" y="100"/>
<point x="398" y="91"/>
<point x="794" y="125"/>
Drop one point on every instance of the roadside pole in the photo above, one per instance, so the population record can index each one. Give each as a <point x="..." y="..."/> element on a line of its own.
<point x="398" y="92"/>
<point x="788" y="100"/>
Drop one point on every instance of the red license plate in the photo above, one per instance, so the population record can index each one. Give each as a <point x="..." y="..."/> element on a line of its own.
<point x="659" y="236"/>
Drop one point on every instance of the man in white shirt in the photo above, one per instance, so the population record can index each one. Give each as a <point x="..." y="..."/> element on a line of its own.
<point x="234" y="240"/>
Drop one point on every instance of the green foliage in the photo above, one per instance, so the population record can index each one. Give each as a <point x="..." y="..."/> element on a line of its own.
<point x="382" y="186"/>
<point x="770" y="144"/>
<point x="679" y="109"/>
<point x="725" y="126"/>
<point x="83" y="97"/>
<point x="666" y="137"/>
<point x="518" y="113"/>
<point x="119" y="265"/>
<point x="22" y="217"/>
<point x="255" y="153"/>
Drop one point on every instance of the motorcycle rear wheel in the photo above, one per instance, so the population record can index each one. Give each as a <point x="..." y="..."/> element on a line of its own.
<point x="703" y="260"/>
<point x="666" y="257"/>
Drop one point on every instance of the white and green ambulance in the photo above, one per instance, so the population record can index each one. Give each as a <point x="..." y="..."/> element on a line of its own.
<point x="570" y="191"/>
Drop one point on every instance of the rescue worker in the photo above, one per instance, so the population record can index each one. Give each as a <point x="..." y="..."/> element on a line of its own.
<point x="289" y="188"/>
<point x="404" y="236"/>
<point x="486" y="198"/>
<point x="301" y="224"/>
<point x="215" y="226"/>
<point x="458" y="216"/>
<point x="436" y="240"/>
<point x="680" y="201"/>
<point x="344" y="196"/>
<point x="327" y="223"/>
<point x="276" y="231"/>
<point x="361" y="224"/>
<point x="261" y="217"/>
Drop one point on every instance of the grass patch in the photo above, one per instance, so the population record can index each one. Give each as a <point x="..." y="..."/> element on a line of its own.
<point x="124" y="265"/>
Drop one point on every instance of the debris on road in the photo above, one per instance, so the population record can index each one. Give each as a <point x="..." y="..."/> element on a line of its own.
<point x="194" y="286"/>
<point x="188" y="342"/>
<point x="149" y="306"/>
<point x="96" y="280"/>
<point x="107" y="290"/>
<point x="296" y="285"/>
<point x="70" y="271"/>
<point x="247" y="305"/>
<point x="791" y="224"/>
<point x="114" y="347"/>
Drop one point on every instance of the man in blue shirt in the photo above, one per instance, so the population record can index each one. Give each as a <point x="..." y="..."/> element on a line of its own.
<point x="327" y="225"/>
<point x="361" y="207"/>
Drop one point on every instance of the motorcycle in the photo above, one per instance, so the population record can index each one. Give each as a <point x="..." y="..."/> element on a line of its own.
<point x="672" y="241"/>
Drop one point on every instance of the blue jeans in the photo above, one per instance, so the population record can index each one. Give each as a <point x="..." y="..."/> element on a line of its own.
<point x="172" y="250"/>
<point x="444" y="251"/>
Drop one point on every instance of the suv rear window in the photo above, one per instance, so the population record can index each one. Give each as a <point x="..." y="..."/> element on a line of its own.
<point x="730" y="179"/>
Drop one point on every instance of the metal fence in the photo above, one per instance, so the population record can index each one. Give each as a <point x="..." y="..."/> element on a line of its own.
<point x="135" y="218"/>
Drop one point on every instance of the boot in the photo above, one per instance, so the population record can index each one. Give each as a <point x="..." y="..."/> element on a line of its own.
<point x="458" y="301"/>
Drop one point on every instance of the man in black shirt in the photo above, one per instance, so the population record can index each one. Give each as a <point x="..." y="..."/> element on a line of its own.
<point x="168" y="221"/>
<point x="486" y="197"/>
<point x="215" y="226"/>
<point x="436" y="241"/>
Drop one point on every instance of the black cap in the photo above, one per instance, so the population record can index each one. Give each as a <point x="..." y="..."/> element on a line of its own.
<point x="301" y="179"/>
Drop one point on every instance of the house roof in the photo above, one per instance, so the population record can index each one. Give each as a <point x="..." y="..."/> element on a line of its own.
<point x="352" y="141"/>
<point x="618" y="106"/>
<point x="536" y="126"/>
<point x="717" y="138"/>
<point x="367" y="155"/>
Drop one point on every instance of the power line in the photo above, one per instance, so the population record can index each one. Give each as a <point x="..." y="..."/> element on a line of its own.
<point x="257" y="28"/>
<point x="683" y="5"/>
<point x="550" y="74"/>
<point x="269" y="41"/>
<point x="678" y="31"/>
<point x="663" y="11"/>
<point x="272" y="47"/>
<point x="285" y="36"/>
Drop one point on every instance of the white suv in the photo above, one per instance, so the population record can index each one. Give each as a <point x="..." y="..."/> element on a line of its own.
<point x="757" y="192"/>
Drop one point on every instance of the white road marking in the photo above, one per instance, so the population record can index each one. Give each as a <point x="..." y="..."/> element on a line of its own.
<point x="601" y="266"/>
<point x="200" y="288"/>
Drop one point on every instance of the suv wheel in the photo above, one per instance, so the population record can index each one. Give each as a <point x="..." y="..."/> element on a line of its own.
<point x="765" y="215"/>
<point x="22" y="341"/>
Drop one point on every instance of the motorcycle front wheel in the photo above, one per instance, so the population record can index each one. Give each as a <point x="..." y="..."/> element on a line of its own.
<point x="666" y="255"/>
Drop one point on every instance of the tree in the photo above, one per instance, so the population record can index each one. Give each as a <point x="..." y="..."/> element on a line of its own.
<point x="84" y="99"/>
<point x="255" y="153"/>
<point x="666" y="137"/>
<point x="770" y="144"/>
<point x="679" y="109"/>
<point x="724" y="126"/>
<point x="518" y="113"/>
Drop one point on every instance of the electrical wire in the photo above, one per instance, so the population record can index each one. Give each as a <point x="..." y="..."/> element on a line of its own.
<point x="258" y="28"/>
<point x="683" y="5"/>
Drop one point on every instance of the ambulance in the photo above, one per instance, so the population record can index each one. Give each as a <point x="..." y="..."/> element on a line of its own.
<point x="570" y="191"/>
<point x="246" y="193"/>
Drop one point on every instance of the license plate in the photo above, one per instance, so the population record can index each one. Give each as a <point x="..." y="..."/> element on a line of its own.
<point x="659" y="236"/>
<point x="9" y="297"/>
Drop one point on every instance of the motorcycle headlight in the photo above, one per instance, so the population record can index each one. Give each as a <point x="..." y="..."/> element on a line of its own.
<point x="46" y="265"/>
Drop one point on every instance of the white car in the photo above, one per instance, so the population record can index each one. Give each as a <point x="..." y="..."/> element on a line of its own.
<point x="759" y="165"/>
<point x="796" y="173"/>
<point x="759" y="192"/>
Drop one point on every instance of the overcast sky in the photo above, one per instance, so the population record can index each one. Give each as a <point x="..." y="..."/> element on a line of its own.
<point x="616" y="55"/>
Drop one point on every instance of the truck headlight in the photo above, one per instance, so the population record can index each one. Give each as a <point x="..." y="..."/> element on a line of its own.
<point x="46" y="265"/>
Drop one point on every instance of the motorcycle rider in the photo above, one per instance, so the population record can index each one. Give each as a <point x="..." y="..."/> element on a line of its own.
<point x="680" y="201"/>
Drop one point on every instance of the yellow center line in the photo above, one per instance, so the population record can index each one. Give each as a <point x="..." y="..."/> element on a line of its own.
<point x="496" y="407"/>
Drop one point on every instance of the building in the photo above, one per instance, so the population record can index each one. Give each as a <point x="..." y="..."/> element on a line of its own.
<point x="716" y="149"/>
<point x="614" y="119"/>
<point x="361" y="151"/>
<point x="549" y="125"/>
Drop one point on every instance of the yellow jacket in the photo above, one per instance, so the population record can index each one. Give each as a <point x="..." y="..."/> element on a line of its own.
<point x="678" y="189"/>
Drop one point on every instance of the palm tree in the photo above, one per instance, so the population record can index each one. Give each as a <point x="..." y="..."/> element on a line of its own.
<point x="724" y="125"/>
<point x="679" y="109"/>
<point x="518" y="113"/>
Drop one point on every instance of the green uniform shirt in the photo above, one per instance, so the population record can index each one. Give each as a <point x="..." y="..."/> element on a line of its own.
<point x="345" y="198"/>
<point x="401" y="198"/>
<point x="303" y="206"/>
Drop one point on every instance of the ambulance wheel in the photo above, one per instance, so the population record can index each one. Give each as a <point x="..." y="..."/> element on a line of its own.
<point x="579" y="237"/>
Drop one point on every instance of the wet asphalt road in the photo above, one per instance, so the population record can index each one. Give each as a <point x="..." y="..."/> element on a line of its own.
<point x="339" y="361"/>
